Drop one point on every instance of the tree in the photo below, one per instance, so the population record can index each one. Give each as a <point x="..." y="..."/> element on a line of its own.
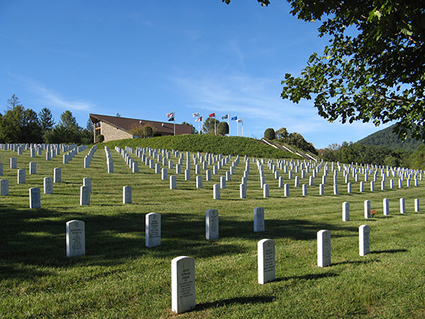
<point x="12" y="102"/>
<point x="67" y="130"/>
<point x="210" y="125"/>
<point x="282" y="133"/>
<point x="20" y="125"/>
<point x="374" y="68"/>
<point x="140" y="130"/>
<point x="223" y="128"/>
<point x="46" y="120"/>
<point x="377" y="75"/>
<point x="270" y="134"/>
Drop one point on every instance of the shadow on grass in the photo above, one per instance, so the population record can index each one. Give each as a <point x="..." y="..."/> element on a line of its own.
<point x="308" y="277"/>
<point x="390" y="251"/>
<point x="37" y="237"/>
<point x="232" y="301"/>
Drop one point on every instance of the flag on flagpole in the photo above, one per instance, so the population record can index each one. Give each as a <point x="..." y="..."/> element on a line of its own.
<point x="171" y="119"/>
<point x="170" y="114"/>
<point x="195" y="114"/>
<point x="235" y="118"/>
<point x="225" y="117"/>
<point x="212" y="115"/>
<point x="199" y="119"/>
<point x="239" y="120"/>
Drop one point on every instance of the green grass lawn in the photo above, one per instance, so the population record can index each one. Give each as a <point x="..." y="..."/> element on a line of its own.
<point x="120" y="278"/>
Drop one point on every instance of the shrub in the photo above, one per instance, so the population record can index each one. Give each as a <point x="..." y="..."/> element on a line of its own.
<point x="270" y="134"/>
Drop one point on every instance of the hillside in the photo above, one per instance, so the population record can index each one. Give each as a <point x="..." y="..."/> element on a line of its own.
<point x="387" y="138"/>
<point x="231" y="145"/>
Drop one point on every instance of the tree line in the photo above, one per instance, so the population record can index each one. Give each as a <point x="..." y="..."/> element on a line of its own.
<point x="21" y="125"/>
<point x="373" y="154"/>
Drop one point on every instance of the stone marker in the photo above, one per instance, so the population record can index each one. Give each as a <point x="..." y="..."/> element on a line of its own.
<point x="417" y="205"/>
<point x="266" y="190"/>
<point x="13" y="163"/>
<point x="173" y="182"/>
<point x="259" y="224"/>
<point x="366" y="209"/>
<point x="84" y="195"/>
<point x="211" y="224"/>
<point x="187" y="175"/>
<point x="266" y="261"/>
<point x="199" y="181"/>
<point x="1" y="169"/>
<point x="322" y="189"/>
<point x="386" y="205"/>
<point x="242" y="191"/>
<point x="364" y="240"/>
<point x="335" y="189"/>
<point x="21" y="176"/>
<point x="216" y="191"/>
<point x="87" y="182"/>
<point x="4" y="187"/>
<point x="345" y="211"/>
<point x="48" y="185"/>
<point x="57" y="175"/>
<point x="153" y="229"/>
<point x="182" y="284"/>
<point x="32" y="168"/>
<point x="323" y="248"/>
<point x="402" y="206"/>
<point x="223" y="182"/>
<point x="34" y="194"/>
<point x="75" y="238"/>
<point x="286" y="190"/>
<point x="127" y="197"/>
<point x="349" y="188"/>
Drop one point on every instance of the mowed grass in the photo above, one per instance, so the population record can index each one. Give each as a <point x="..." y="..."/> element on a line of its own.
<point x="120" y="278"/>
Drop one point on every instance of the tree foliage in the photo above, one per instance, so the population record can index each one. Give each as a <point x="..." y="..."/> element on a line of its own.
<point x="210" y="125"/>
<point x="373" y="70"/>
<point x="377" y="75"/>
<point x="222" y="128"/>
<point x="270" y="134"/>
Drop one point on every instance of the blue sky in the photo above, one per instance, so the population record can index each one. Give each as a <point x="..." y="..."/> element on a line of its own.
<point x="143" y="59"/>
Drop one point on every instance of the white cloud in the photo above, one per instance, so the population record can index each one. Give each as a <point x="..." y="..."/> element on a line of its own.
<point x="53" y="99"/>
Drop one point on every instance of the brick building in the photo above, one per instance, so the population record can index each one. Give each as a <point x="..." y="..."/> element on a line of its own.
<point x="118" y="128"/>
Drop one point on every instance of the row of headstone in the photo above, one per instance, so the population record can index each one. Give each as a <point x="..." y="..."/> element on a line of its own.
<point x="109" y="161"/>
<point x="88" y="158"/>
<point x="386" y="208"/>
<point x="324" y="245"/>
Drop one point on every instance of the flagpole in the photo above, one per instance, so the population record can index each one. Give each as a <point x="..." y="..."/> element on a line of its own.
<point x="242" y="127"/>
<point x="228" y="121"/>
<point x="215" y="125"/>
<point x="174" y="120"/>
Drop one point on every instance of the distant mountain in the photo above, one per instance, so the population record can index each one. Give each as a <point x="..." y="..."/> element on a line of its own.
<point x="387" y="138"/>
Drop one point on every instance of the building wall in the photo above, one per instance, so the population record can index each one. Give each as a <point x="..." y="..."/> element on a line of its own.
<point x="112" y="133"/>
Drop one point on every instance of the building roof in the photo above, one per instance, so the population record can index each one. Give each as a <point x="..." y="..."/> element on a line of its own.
<point x="126" y="124"/>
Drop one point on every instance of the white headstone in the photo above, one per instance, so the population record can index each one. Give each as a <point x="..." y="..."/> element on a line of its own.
<point x="242" y="190"/>
<point x="4" y="187"/>
<point x="57" y="175"/>
<point x="266" y="190"/>
<point x="386" y="205"/>
<point x="345" y="211"/>
<point x="402" y="206"/>
<point x="127" y="197"/>
<point x="417" y="205"/>
<point x="84" y="195"/>
<point x="286" y="190"/>
<point x="323" y="248"/>
<point x="87" y="182"/>
<point x="366" y="209"/>
<point x="266" y="261"/>
<point x="153" y="229"/>
<point x="75" y="238"/>
<point x="13" y="163"/>
<point x="182" y="284"/>
<point x="364" y="240"/>
<point x="199" y="181"/>
<point x="32" y="168"/>
<point x="48" y="185"/>
<point x="34" y="197"/>
<point x="216" y="191"/>
<point x="211" y="224"/>
<point x="21" y="176"/>
<point x="173" y="182"/>
<point x="259" y="224"/>
<point x="223" y="182"/>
